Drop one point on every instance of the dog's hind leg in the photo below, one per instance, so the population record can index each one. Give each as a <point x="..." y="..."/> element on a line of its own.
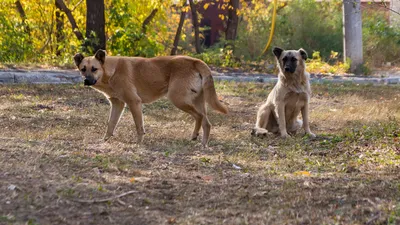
<point x="191" y="100"/>
<point x="294" y="126"/>
<point x="117" y="107"/>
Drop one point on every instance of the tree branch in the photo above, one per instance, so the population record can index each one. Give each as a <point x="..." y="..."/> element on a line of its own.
<point x="77" y="4"/>
<point x="148" y="20"/>
<point x="75" y="29"/>
<point x="21" y="12"/>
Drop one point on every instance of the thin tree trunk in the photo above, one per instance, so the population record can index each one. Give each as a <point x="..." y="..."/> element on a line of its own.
<point x="179" y="30"/>
<point x="196" y="26"/>
<point x="233" y="21"/>
<point x="71" y="19"/>
<point x="21" y="12"/>
<point x="95" y="25"/>
<point x="60" y="37"/>
<point x="148" y="19"/>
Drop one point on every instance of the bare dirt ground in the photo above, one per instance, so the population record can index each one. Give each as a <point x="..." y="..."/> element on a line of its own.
<point x="54" y="168"/>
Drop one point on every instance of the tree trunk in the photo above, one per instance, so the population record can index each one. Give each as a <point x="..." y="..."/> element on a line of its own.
<point x="71" y="19"/>
<point x="179" y="30"/>
<point x="232" y="24"/>
<point x="394" y="13"/>
<point x="95" y="25"/>
<point x="352" y="34"/>
<point x="21" y="12"/>
<point x="196" y="26"/>
<point x="60" y="37"/>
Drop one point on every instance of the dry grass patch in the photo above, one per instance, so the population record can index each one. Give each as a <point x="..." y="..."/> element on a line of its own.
<point x="51" y="155"/>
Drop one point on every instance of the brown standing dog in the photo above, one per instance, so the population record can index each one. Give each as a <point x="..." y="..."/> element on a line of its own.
<point x="289" y="97"/>
<point x="133" y="81"/>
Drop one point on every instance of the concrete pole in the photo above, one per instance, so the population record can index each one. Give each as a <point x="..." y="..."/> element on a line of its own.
<point x="352" y="35"/>
<point x="394" y="13"/>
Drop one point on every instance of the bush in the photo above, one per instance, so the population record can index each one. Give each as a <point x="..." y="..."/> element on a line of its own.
<point x="381" y="41"/>
<point x="332" y="66"/>
<point x="127" y="37"/>
<point x="311" y="25"/>
<point x="16" y="44"/>
<point x="253" y="30"/>
<point x="296" y="27"/>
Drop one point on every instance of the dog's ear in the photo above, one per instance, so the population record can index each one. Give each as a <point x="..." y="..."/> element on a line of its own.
<point x="78" y="57"/>
<point x="303" y="54"/>
<point x="277" y="52"/>
<point x="100" y="55"/>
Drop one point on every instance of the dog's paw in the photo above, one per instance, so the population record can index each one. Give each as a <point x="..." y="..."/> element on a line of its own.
<point x="107" y="137"/>
<point x="256" y="132"/>
<point x="253" y="132"/>
<point x="284" y="135"/>
<point x="259" y="132"/>
<point x="312" y="135"/>
<point x="194" y="137"/>
<point x="139" y="139"/>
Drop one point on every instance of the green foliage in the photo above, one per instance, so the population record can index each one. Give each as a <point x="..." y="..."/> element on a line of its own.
<point x="126" y="33"/>
<point x="253" y="30"/>
<point x="16" y="44"/>
<point x="219" y="56"/>
<point x="380" y="40"/>
<point x="34" y="39"/>
<point x="311" y="25"/>
<point x="333" y="65"/>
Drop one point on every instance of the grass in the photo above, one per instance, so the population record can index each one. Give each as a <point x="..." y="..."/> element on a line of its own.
<point x="51" y="150"/>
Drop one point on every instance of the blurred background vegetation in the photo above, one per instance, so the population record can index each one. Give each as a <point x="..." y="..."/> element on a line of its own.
<point x="43" y="34"/>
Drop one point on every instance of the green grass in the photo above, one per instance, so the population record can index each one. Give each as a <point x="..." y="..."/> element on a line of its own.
<point x="51" y="149"/>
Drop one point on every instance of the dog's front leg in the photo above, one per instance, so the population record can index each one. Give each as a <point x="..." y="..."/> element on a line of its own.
<point x="262" y="121"/>
<point x="280" y="113"/>
<point x="117" y="107"/>
<point x="306" y="125"/>
<point x="135" y="106"/>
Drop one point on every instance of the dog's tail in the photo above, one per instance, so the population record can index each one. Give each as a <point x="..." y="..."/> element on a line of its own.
<point x="208" y="87"/>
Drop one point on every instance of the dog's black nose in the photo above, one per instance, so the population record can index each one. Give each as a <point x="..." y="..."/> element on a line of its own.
<point x="287" y="69"/>
<point x="89" y="82"/>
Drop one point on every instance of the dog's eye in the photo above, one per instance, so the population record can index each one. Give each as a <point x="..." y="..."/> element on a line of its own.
<point x="284" y="58"/>
<point x="94" y="69"/>
<point x="83" y="69"/>
<point x="294" y="59"/>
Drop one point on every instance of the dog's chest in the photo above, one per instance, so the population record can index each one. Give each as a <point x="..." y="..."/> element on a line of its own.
<point x="295" y="99"/>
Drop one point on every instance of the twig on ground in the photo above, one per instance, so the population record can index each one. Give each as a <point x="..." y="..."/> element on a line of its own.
<point x="106" y="199"/>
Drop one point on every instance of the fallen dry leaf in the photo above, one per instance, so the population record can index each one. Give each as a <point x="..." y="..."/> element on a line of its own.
<point x="302" y="173"/>
<point x="139" y="179"/>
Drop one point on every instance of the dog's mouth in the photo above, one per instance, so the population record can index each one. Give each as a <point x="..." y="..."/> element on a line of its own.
<point x="89" y="82"/>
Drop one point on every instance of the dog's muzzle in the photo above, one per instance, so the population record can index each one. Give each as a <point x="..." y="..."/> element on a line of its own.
<point x="89" y="81"/>
<point x="290" y="69"/>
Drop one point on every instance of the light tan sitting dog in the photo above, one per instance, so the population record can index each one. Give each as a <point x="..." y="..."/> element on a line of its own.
<point x="134" y="80"/>
<point x="289" y="97"/>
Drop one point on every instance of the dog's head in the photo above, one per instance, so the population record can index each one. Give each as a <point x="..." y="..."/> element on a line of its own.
<point x="290" y="60"/>
<point x="91" y="68"/>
